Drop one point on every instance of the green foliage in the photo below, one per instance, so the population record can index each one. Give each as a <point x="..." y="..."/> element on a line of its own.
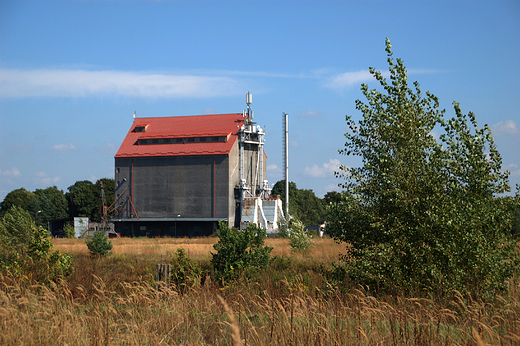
<point x="299" y="239"/>
<point x="421" y="213"/>
<point x="19" y="197"/>
<point x="186" y="273"/>
<point x="26" y="249"/>
<point x="83" y="200"/>
<point x="52" y="204"/>
<point x="303" y="203"/>
<point x="68" y="230"/>
<point x="240" y="253"/>
<point x="99" y="245"/>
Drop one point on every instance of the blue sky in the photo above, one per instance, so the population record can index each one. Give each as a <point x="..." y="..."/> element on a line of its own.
<point x="72" y="73"/>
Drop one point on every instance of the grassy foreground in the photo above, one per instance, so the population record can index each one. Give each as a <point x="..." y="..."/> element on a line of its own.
<point x="113" y="301"/>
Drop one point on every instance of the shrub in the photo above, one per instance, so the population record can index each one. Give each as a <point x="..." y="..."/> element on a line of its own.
<point x="26" y="249"/>
<point x="240" y="253"/>
<point x="99" y="245"/>
<point x="299" y="239"/>
<point x="185" y="272"/>
<point x="68" y="230"/>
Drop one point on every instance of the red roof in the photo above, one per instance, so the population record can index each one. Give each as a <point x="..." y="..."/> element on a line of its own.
<point x="215" y="125"/>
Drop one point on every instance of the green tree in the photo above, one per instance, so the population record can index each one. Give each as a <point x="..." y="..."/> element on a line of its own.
<point x="83" y="200"/>
<point x="53" y="204"/>
<point x="240" y="253"/>
<point x="420" y="213"/>
<point x="19" y="197"/>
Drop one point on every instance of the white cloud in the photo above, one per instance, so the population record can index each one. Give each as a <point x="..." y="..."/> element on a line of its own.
<point x="347" y="79"/>
<point x="272" y="167"/>
<point x="64" y="147"/>
<point x="309" y="114"/>
<point x="13" y="172"/>
<point x="324" y="170"/>
<point x="509" y="127"/>
<point x="513" y="169"/>
<point x="82" y="83"/>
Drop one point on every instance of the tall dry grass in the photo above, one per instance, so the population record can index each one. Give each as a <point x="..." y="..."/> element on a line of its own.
<point x="113" y="301"/>
<point x="140" y="315"/>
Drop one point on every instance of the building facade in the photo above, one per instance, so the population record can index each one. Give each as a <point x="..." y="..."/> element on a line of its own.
<point x="178" y="176"/>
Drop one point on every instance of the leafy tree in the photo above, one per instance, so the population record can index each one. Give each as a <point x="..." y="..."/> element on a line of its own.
<point x="421" y="213"/>
<point x="83" y="200"/>
<point x="240" y="253"/>
<point x="53" y="204"/>
<point x="19" y="197"/>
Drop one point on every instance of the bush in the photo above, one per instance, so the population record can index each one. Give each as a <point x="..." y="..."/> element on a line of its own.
<point x="185" y="272"/>
<point x="99" y="245"/>
<point x="299" y="239"/>
<point x="68" y="231"/>
<point x="240" y="253"/>
<point x="26" y="249"/>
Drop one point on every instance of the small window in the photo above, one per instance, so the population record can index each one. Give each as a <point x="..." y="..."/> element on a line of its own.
<point x="155" y="141"/>
<point x="191" y="140"/>
<point x="202" y="139"/>
<point x="140" y="129"/>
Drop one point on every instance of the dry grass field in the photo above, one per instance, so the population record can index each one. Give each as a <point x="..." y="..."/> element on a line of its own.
<point x="324" y="250"/>
<point x="113" y="301"/>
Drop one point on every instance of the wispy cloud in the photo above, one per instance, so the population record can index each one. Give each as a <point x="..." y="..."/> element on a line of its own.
<point x="83" y="83"/>
<point x="347" y="79"/>
<point x="344" y="80"/>
<point x="513" y="169"/>
<point x="272" y="167"/>
<point x="509" y="127"/>
<point x="43" y="178"/>
<point x="64" y="147"/>
<point x="325" y="170"/>
<point x="13" y="172"/>
<point x="309" y="114"/>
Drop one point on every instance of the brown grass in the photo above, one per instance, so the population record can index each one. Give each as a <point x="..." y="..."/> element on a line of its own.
<point x="324" y="250"/>
<point x="112" y="301"/>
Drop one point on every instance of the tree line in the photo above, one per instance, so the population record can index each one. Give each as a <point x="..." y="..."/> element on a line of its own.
<point x="44" y="205"/>
<point x="83" y="199"/>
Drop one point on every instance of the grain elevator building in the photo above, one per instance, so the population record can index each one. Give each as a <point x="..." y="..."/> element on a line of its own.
<point x="178" y="176"/>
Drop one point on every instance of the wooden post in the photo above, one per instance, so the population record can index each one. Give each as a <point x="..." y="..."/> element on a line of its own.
<point x="162" y="275"/>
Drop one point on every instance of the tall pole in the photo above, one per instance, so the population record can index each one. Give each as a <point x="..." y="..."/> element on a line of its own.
<point x="286" y="162"/>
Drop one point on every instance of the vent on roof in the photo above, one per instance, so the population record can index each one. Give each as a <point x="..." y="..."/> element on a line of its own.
<point x="140" y="128"/>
